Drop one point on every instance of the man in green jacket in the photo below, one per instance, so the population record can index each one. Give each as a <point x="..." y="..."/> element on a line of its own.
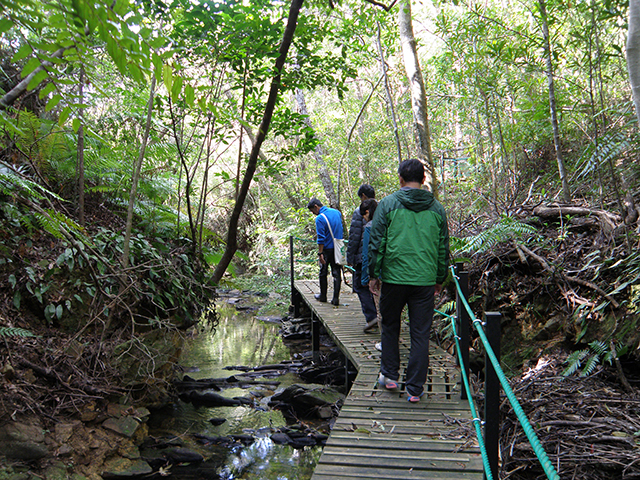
<point x="408" y="259"/>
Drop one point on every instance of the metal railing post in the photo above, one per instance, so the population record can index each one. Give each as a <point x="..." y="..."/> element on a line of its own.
<point x="295" y="296"/>
<point x="315" y="338"/>
<point x="492" y="329"/>
<point x="462" y="317"/>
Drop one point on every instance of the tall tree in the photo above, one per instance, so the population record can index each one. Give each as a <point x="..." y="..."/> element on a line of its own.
<point x="418" y="92"/>
<point x="232" y="240"/>
<point x="566" y="192"/>
<point x="633" y="53"/>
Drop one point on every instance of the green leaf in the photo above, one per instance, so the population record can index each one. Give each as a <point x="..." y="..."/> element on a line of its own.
<point x="5" y="25"/>
<point x="23" y="52"/>
<point x="51" y="104"/>
<point x="76" y="125"/>
<point x="190" y="95"/>
<point x="59" y="312"/>
<point x="167" y="77"/>
<point x="31" y="65"/>
<point x="16" y="299"/>
<point x="46" y="90"/>
<point x="176" y="89"/>
<point x="37" y="78"/>
<point x="66" y="111"/>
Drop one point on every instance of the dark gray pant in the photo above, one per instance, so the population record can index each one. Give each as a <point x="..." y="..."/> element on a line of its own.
<point x="336" y="269"/>
<point x="364" y="294"/>
<point x="420" y="301"/>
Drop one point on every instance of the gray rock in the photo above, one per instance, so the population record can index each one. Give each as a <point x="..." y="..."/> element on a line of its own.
<point x="182" y="455"/>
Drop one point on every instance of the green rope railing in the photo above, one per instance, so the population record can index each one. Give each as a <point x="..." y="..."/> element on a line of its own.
<point x="476" y="419"/>
<point x="548" y="468"/>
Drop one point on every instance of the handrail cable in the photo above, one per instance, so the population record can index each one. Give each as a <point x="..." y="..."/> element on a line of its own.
<point x="476" y="419"/>
<point x="548" y="468"/>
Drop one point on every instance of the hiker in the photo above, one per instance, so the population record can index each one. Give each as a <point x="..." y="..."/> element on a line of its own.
<point x="354" y="259"/>
<point x="408" y="258"/>
<point x="367" y="209"/>
<point x="328" y="227"/>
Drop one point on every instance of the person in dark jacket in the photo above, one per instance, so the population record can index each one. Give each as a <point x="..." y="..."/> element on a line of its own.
<point x="328" y="227"/>
<point x="408" y="258"/>
<point x="354" y="259"/>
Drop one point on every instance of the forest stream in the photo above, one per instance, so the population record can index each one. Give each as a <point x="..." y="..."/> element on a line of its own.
<point x="241" y="340"/>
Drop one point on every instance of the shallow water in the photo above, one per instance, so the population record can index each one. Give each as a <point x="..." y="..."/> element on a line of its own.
<point x="239" y="340"/>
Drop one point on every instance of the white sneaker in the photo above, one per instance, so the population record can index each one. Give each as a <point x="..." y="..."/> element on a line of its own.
<point x="378" y="346"/>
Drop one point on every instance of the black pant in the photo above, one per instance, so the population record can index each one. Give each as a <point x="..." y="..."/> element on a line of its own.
<point x="364" y="294"/>
<point x="330" y="261"/>
<point x="420" y="301"/>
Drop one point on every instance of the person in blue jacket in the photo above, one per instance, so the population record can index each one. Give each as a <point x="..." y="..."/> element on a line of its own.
<point x="328" y="222"/>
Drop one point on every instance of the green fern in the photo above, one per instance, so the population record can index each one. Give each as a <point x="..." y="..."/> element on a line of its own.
<point x="506" y="228"/>
<point x="15" y="332"/>
<point x="589" y="358"/>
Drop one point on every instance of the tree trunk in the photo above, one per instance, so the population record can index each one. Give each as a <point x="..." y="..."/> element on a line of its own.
<point x="633" y="53"/>
<point x="136" y="176"/>
<point x="232" y="240"/>
<point x="388" y="97"/>
<point x="418" y="92"/>
<point x="566" y="193"/>
<point x="80" y="150"/>
<point x="318" y="153"/>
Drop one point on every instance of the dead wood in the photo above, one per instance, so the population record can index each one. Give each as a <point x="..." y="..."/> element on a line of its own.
<point x="587" y="425"/>
<point x="568" y="278"/>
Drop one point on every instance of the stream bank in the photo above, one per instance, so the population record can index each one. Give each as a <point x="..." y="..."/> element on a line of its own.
<point x="272" y="424"/>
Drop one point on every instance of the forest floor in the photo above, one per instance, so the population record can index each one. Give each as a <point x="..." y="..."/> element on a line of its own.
<point x="556" y="298"/>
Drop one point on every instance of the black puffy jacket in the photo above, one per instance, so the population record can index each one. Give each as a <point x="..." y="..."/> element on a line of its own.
<point x="354" y="248"/>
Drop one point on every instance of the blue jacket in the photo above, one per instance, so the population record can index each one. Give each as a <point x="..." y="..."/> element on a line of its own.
<point x="335" y="219"/>
<point x="366" y="234"/>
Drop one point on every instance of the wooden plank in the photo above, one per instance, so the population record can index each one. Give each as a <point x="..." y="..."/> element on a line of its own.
<point x="378" y="434"/>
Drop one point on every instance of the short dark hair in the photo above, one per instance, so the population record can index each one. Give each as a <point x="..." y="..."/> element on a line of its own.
<point x="366" y="189"/>
<point x="313" y="202"/>
<point x="369" y="204"/>
<point x="411" y="170"/>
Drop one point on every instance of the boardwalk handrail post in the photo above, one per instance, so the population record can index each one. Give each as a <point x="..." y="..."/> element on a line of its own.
<point x="295" y="297"/>
<point x="315" y="338"/>
<point x="492" y="392"/>
<point x="463" y="319"/>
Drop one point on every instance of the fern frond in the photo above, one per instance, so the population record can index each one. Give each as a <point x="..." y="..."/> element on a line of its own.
<point x="599" y="347"/>
<point x="590" y="365"/>
<point x="507" y="228"/>
<point x="574" y="362"/>
<point x="15" y="332"/>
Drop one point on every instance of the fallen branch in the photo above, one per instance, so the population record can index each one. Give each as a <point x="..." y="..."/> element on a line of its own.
<point x="568" y="278"/>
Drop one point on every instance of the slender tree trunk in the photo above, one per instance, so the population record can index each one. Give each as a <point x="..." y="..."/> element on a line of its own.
<point x="80" y="166"/>
<point x="136" y="176"/>
<point x="388" y="97"/>
<point x="566" y="192"/>
<point x="633" y="53"/>
<point x="232" y="240"/>
<point x="418" y="92"/>
<point x="318" y="153"/>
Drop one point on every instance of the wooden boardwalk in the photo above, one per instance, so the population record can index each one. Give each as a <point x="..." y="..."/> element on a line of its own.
<point x="378" y="434"/>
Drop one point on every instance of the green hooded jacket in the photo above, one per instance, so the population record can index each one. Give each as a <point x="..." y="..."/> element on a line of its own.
<point x="409" y="242"/>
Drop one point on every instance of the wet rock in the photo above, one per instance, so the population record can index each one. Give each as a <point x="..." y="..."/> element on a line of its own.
<point x="302" y="442"/>
<point x="306" y="402"/>
<point x="246" y="440"/>
<point x="217" y="421"/>
<point x="281" y="438"/>
<point x="22" y="441"/>
<point x="244" y="400"/>
<point x="57" y="471"/>
<point x="159" y="443"/>
<point x="211" y="399"/>
<point x="270" y="318"/>
<point x="124" y="468"/>
<point x="182" y="455"/>
<point x="213" y="440"/>
<point x="125" y="426"/>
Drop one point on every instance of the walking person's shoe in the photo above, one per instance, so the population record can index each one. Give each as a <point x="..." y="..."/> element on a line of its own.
<point x="320" y="298"/>
<point x="387" y="382"/>
<point x="378" y="346"/>
<point x="414" y="398"/>
<point x="334" y="301"/>
<point x="370" y="325"/>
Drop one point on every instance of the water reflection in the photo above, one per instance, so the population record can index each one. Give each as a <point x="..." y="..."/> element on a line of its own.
<point x="240" y="340"/>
